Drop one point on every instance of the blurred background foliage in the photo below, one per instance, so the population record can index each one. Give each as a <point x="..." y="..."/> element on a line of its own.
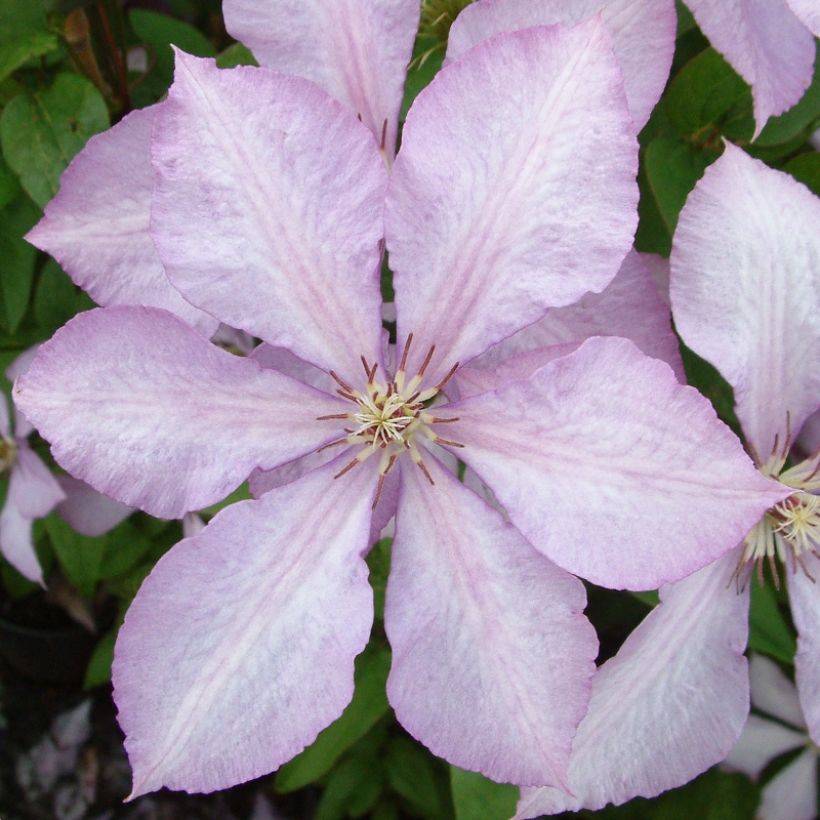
<point x="68" y="70"/>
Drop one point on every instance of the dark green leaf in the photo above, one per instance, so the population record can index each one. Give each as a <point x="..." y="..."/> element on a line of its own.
<point x="235" y="55"/>
<point x="378" y="561"/>
<point x="414" y="773"/>
<point x="673" y="168"/>
<point x="9" y="186"/>
<point x="17" y="53"/>
<point x="652" y="235"/>
<point x="17" y="258"/>
<point x="477" y="798"/>
<point x="418" y="76"/>
<point x="768" y="631"/>
<point x="125" y="547"/>
<point x="356" y="781"/>
<point x="57" y="298"/>
<point x="806" y="169"/>
<point x="98" y="672"/>
<point x="41" y="132"/>
<point x="368" y="705"/>
<point x="707" y="379"/>
<point x="80" y="556"/>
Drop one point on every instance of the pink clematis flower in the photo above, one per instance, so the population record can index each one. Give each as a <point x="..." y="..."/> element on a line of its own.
<point x="745" y="296"/>
<point x="792" y="793"/>
<point x="770" y="43"/>
<point x="513" y="193"/>
<point x="33" y="491"/>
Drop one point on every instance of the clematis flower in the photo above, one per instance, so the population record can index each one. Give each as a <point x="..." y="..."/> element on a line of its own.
<point x="33" y="491"/>
<point x="792" y="793"/>
<point x="745" y="296"/>
<point x="513" y="193"/>
<point x="770" y="44"/>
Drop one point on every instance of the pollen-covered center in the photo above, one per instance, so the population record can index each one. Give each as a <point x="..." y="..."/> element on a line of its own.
<point x="790" y="530"/>
<point x="390" y="415"/>
<point x="8" y="454"/>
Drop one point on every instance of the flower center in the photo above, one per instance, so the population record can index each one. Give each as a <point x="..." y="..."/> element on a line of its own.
<point x="790" y="530"/>
<point x="389" y="416"/>
<point x="8" y="453"/>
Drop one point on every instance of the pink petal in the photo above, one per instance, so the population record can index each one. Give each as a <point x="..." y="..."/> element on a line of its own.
<point x="761" y="742"/>
<point x="22" y="426"/>
<point x="601" y="456"/>
<point x="808" y="12"/>
<point x="630" y="307"/>
<point x="766" y="44"/>
<point x="16" y="543"/>
<point x="804" y="597"/>
<point x="356" y="50"/>
<point x="773" y="693"/>
<point x="668" y="706"/>
<point x="491" y="655"/>
<point x="808" y="443"/>
<point x="658" y="267"/>
<point x="97" y="225"/>
<point x="282" y="360"/>
<point x="288" y="187"/>
<point x="514" y="190"/>
<point x="5" y="427"/>
<point x="643" y="36"/>
<point x="239" y="647"/>
<point x="87" y="511"/>
<point x="745" y="263"/>
<point x="32" y="487"/>
<point x="147" y="411"/>
<point x="792" y="792"/>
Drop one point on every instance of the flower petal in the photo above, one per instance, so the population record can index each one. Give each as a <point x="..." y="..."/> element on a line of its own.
<point x="492" y="656"/>
<point x="745" y="264"/>
<point x="804" y="597"/>
<point x="766" y="44"/>
<point x="792" y="792"/>
<point x="5" y="427"/>
<point x="630" y="306"/>
<point x="514" y="190"/>
<point x="17" y="544"/>
<point x="601" y="456"/>
<point x="643" y="36"/>
<point x="670" y="704"/>
<point x="147" y="411"/>
<point x="32" y="487"/>
<point x="97" y="225"/>
<point x="239" y="646"/>
<point x="356" y="50"/>
<point x="289" y="188"/>
<point x="761" y="742"/>
<point x="773" y="693"/>
<point x="87" y="511"/>
<point x="808" y="12"/>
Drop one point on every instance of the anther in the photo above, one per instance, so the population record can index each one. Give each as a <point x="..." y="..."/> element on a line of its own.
<point x="334" y="416"/>
<point x="361" y="456"/>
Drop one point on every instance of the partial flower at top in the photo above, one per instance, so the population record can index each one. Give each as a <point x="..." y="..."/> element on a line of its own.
<point x="33" y="491"/>
<point x="792" y="793"/>
<point x="745" y="289"/>
<point x="514" y="193"/>
<point x="770" y="43"/>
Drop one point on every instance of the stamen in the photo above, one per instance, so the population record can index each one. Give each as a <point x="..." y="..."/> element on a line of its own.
<point x="334" y="416"/>
<point x="341" y="382"/>
<point x="361" y="456"/>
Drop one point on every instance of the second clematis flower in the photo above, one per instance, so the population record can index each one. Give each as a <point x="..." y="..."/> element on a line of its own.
<point x="514" y="192"/>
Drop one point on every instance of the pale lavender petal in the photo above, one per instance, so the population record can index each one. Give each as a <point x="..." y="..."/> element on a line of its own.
<point x="630" y="307"/>
<point x="192" y="524"/>
<point x="33" y="489"/>
<point x="87" y="511"/>
<point x="808" y="442"/>
<point x="22" y="426"/>
<point x="766" y="44"/>
<point x="761" y="742"/>
<point x="281" y="359"/>
<point x="745" y="266"/>
<point x="643" y="36"/>
<point x="808" y="12"/>
<point x="773" y="693"/>
<point x="288" y="187"/>
<point x="492" y="656"/>
<point x="668" y="706"/>
<point x="97" y="225"/>
<point x="601" y="456"/>
<point x="514" y="190"/>
<point x="659" y="270"/>
<point x="5" y="427"/>
<point x="792" y="792"/>
<point x="804" y="597"/>
<point x="16" y="543"/>
<point x="239" y="646"/>
<point x="143" y="408"/>
<point x="357" y="50"/>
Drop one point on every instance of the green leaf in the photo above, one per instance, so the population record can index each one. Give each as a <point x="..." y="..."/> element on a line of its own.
<point x="15" y="54"/>
<point x="98" y="672"/>
<point x="418" y="76"/>
<point x="806" y="169"/>
<point x="768" y="631"/>
<point x="241" y="493"/>
<point x="706" y="378"/>
<point x="235" y="55"/>
<point x="17" y="258"/>
<point x="797" y="120"/>
<point x="652" y="235"/>
<point x="477" y="798"/>
<point x="354" y="783"/>
<point x="705" y="94"/>
<point x="57" y="298"/>
<point x="41" y="132"/>
<point x="378" y="562"/>
<point x="125" y="547"/>
<point x="9" y="186"/>
<point x="368" y="705"/>
<point x="413" y="772"/>
<point x="673" y="168"/>
<point x="79" y="556"/>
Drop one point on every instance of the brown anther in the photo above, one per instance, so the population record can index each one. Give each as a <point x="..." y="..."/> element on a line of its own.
<point x="440" y="420"/>
<point x="405" y="352"/>
<point x="341" y="382"/>
<point x="348" y="396"/>
<point x="330" y="444"/>
<point x="423" y="468"/>
<point x="333" y="416"/>
<point x="382" y="478"/>
<point x="426" y="361"/>
<point x="447" y="442"/>
<point x="452" y="372"/>
<point x="384" y="135"/>
<point x="350" y="465"/>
